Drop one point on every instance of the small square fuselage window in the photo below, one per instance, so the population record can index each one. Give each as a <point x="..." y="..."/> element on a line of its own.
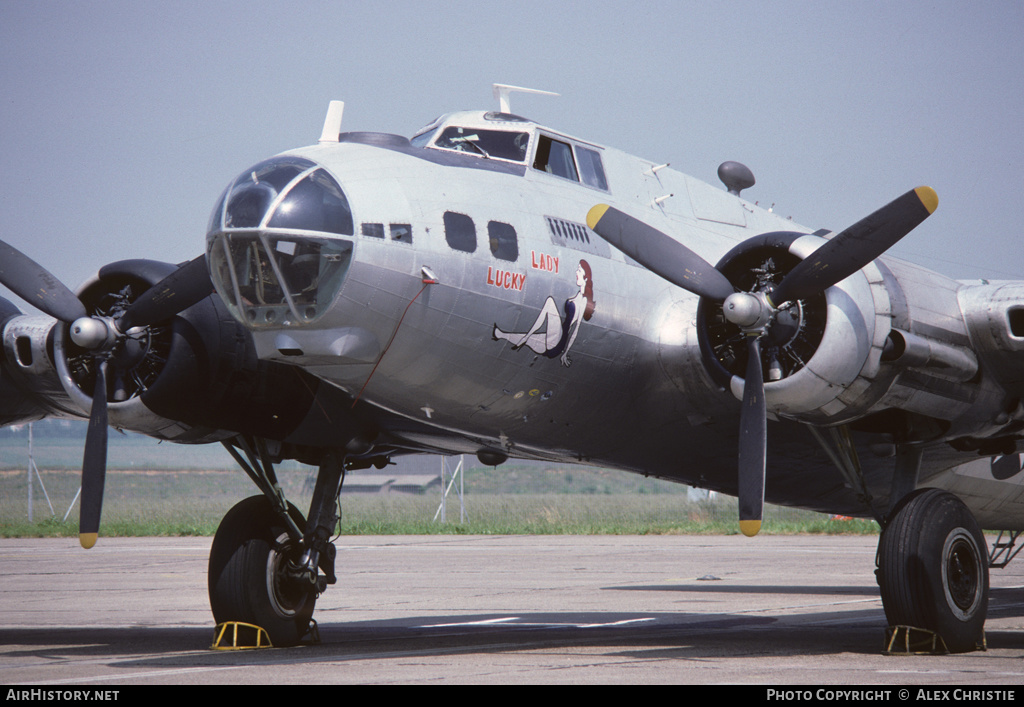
<point x="503" y="240"/>
<point x="373" y="230"/>
<point x="460" y="231"/>
<point x="401" y="232"/>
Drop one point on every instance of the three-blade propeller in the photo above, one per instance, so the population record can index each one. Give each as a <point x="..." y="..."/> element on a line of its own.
<point x="754" y="312"/>
<point x="102" y="337"/>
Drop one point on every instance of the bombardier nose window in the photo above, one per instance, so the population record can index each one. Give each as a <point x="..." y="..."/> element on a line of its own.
<point x="275" y="281"/>
<point x="314" y="204"/>
<point x="279" y="242"/>
<point x="285" y="192"/>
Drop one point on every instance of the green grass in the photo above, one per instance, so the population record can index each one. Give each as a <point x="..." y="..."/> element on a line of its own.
<point x="146" y="495"/>
<point x="192" y="503"/>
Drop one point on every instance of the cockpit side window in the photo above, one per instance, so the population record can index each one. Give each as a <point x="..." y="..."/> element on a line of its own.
<point x="499" y="144"/>
<point x="555" y="157"/>
<point x="591" y="168"/>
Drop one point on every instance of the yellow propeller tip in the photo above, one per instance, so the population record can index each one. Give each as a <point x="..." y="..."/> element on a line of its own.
<point x="750" y="528"/>
<point x="595" y="214"/>
<point x="929" y="199"/>
<point x="87" y="540"/>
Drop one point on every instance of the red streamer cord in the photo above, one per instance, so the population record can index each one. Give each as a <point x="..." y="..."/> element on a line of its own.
<point x="393" y="335"/>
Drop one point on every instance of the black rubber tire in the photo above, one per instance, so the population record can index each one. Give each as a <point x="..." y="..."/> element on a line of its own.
<point x="933" y="569"/>
<point x="244" y="579"/>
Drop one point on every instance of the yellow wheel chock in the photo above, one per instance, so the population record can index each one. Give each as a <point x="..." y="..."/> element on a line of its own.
<point x="909" y="640"/>
<point x="250" y="636"/>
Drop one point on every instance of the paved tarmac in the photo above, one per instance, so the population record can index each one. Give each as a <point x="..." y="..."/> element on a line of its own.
<point x="771" y="611"/>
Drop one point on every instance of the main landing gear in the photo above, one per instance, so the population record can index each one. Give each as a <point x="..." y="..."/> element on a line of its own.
<point x="933" y="569"/>
<point x="932" y="563"/>
<point x="266" y="560"/>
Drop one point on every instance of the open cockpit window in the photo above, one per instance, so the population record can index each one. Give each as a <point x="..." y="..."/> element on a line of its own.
<point x="555" y="157"/>
<point x="498" y="144"/>
<point x="570" y="161"/>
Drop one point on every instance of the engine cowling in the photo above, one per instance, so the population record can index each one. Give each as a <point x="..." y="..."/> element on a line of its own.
<point x="196" y="378"/>
<point x="26" y="372"/>
<point x="822" y="356"/>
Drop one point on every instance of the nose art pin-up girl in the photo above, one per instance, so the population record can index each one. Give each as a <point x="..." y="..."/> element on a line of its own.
<point x="552" y="335"/>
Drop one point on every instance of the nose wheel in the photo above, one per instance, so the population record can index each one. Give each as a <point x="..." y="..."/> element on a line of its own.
<point x="251" y="574"/>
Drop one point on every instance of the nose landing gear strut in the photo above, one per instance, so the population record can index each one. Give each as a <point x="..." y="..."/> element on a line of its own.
<point x="266" y="558"/>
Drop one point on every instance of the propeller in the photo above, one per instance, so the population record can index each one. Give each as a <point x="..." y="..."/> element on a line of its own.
<point x="103" y="337"/>
<point x="186" y="286"/>
<point x="754" y="312"/>
<point x="858" y="245"/>
<point x="753" y="452"/>
<point x="34" y="284"/>
<point x="659" y="253"/>
<point x="94" y="463"/>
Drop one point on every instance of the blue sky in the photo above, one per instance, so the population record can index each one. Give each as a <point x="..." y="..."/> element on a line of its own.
<point x="121" y="122"/>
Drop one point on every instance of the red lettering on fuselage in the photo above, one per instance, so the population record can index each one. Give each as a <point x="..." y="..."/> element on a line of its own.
<point x="505" y="279"/>
<point x="543" y="261"/>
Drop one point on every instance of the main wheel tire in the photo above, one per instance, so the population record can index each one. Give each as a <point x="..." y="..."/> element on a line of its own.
<point x="247" y="579"/>
<point x="933" y="569"/>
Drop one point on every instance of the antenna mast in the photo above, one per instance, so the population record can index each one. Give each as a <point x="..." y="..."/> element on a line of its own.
<point x="502" y="91"/>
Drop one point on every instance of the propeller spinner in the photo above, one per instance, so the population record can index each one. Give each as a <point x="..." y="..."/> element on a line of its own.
<point x="103" y="338"/>
<point x="756" y="311"/>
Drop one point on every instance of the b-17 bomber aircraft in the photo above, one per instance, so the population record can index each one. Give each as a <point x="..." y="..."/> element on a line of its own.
<point x="492" y="286"/>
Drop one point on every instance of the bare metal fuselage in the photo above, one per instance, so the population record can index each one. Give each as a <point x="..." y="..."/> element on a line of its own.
<point x="447" y="367"/>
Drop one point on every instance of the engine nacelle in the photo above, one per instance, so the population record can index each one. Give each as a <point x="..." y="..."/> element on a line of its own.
<point x="29" y="387"/>
<point x="196" y="378"/>
<point x="822" y="356"/>
<point x="886" y="349"/>
<point x="995" y="316"/>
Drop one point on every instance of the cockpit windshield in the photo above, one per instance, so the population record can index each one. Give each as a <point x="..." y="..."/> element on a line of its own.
<point x="279" y="242"/>
<point x="499" y="144"/>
